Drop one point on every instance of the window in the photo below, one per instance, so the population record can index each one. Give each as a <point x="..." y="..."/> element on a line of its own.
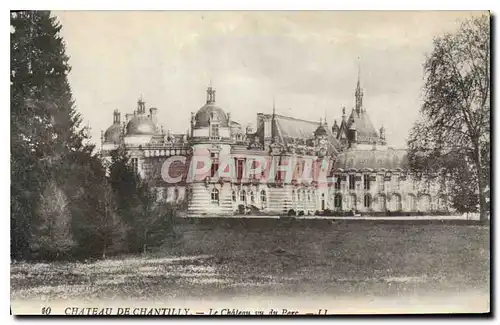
<point x="396" y="203"/>
<point x="381" y="202"/>
<point x="338" y="201"/>
<point x="352" y="182"/>
<point x="293" y="196"/>
<point x="234" y="196"/>
<point x="243" y="196"/>
<point x="411" y="203"/>
<point x="381" y="183"/>
<point x="252" y="197"/>
<point x="366" y="182"/>
<point x="214" y="130"/>
<point x="215" y="196"/>
<point x="396" y="183"/>
<point x="135" y="167"/>
<point x="337" y="182"/>
<point x="368" y="201"/>
<point x="176" y="194"/>
<point x="239" y="168"/>
<point x="214" y="167"/>
<point x="263" y="198"/>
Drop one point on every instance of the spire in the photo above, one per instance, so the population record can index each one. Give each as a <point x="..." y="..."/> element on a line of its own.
<point x="359" y="92"/>
<point x="343" y="114"/>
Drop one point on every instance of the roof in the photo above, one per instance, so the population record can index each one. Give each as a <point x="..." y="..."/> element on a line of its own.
<point x="141" y="125"/>
<point x="389" y="159"/>
<point x="205" y="113"/>
<point x="320" y="130"/>
<point x="365" y="132"/>
<point x="292" y="128"/>
<point x="112" y="134"/>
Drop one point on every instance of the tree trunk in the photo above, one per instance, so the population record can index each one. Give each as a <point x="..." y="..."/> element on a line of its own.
<point x="480" y="185"/>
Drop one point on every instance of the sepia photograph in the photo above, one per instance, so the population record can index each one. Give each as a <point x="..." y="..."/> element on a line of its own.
<point x="250" y="163"/>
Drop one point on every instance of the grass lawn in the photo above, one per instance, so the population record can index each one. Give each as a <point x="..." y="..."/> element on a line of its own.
<point x="309" y="259"/>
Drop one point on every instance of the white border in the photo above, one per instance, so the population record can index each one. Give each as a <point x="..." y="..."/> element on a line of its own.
<point x="181" y="5"/>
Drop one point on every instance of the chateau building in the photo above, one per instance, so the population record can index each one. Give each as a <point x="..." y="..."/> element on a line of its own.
<point x="285" y="163"/>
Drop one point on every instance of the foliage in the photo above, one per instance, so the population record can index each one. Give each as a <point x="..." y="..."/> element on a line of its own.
<point x="53" y="237"/>
<point x="452" y="137"/>
<point x="147" y="222"/>
<point x="62" y="203"/>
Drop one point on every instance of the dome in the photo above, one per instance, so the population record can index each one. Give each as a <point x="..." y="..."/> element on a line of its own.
<point x="112" y="134"/>
<point x="208" y="112"/>
<point x="320" y="131"/>
<point x="141" y="125"/>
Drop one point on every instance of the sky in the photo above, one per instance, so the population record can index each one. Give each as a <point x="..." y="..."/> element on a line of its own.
<point x="307" y="62"/>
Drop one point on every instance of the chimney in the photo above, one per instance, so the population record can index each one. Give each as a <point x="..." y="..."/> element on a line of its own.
<point x="116" y="117"/>
<point x="153" y="111"/>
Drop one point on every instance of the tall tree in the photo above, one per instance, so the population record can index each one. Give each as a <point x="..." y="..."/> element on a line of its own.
<point x="47" y="140"/>
<point x="453" y="137"/>
<point x="53" y="238"/>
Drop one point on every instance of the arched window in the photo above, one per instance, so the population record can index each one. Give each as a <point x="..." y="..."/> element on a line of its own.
<point x="368" y="201"/>
<point x="215" y="196"/>
<point x="381" y="202"/>
<point x="252" y="197"/>
<point x="352" y="201"/>
<point x="323" y="207"/>
<point x="396" y="202"/>
<point x="411" y="202"/>
<point x="337" y="202"/>
<point x="243" y="196"/>
<point x="176" y="194"/>
<point x="233" y="194"/>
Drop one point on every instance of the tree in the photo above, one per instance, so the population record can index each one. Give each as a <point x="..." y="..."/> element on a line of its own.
<point x="53" y="238"/>
<point x="47" y="142"/>
<point x="453" y="135"/>
<point x="147" y="222"/>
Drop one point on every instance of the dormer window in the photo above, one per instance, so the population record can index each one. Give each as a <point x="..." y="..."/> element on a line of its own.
<point x="214" y="130"/>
